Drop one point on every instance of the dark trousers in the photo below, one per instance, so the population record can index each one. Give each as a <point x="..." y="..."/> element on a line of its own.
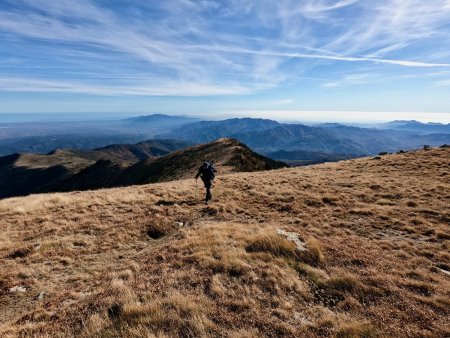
<point x="208" y="184"/>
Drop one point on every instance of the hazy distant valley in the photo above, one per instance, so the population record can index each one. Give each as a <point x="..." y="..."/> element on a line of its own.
<point x="294" y="141"/>
<point x="66" y="156"/>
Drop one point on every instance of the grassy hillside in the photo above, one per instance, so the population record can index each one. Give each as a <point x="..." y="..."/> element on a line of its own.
<point x="351" y="249"/>
<point x="69" y="169"/>
<point x="229" y="154"/>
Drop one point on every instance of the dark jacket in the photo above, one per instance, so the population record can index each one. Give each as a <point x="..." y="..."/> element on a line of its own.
<point x="207" y="172"/>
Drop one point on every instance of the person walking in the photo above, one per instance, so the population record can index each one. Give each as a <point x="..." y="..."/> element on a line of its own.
<point x="207" y="172"/>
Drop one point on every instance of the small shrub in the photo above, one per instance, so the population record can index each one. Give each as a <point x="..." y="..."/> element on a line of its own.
<point x="411" y="204"/>
<point x="20" y="253"/>
<point x="329" y="200"/>
<point x="362" y="212"/>
<point x="158" y="230"/>
<point x="313" y="203"/>
<point x="420" y="288"/>
<point x="443" y="235"/>
<point x="238" y="306"/>
<point x="429" y="232"/>
<point x="115" y="310"/>
<point x="416" y="221"/>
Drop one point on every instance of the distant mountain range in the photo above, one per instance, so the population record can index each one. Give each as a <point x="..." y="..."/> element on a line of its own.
<point x="127" y="162"/>
<point x="312" y="143"/>
<point x="43" y="137"/>
<point x="267" y="136"/>
<point x="123" y="165"/>
<point x="416" y="126"/>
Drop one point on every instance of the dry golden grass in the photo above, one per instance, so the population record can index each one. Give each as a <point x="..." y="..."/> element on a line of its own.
<point x="152" y="261"/>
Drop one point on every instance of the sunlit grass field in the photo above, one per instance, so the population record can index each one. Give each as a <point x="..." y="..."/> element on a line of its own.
<point x="358" y="248"/>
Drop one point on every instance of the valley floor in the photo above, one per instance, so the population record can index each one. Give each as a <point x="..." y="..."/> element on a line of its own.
<point x="154" y="261"/>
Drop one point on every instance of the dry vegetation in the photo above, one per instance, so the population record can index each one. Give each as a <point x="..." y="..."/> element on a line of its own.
<point x="151" y="261"/>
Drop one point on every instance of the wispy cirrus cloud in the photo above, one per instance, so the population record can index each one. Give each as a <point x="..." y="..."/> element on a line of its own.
<point x="175" y="88"/>
<point x="354" y="79"/>
<point x="186" y="47"/>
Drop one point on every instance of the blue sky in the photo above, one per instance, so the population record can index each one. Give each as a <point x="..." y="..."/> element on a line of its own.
<point x="335" y="60"/>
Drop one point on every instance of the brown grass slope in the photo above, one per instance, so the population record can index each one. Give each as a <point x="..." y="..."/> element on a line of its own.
<point x="149" y="261"/>
<point x="22" y="174"/>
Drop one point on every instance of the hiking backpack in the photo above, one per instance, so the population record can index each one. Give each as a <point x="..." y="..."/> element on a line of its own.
<point x="208" y="171"/>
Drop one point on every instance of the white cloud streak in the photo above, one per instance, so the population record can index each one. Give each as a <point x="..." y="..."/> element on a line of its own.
<point x="221" y="47"/>
<point x="164" y="89"/>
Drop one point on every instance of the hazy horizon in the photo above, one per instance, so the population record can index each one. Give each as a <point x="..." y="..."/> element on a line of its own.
<point x="310" y="117"/>
<point x="310" y="60"/>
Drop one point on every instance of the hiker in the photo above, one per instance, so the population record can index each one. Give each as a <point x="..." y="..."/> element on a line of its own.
<point x="207" y="172"/>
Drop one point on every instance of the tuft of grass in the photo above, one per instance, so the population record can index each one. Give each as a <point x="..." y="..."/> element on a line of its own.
<point x="230" y="264"/>
<point x="317" y="276"/>
<point x="173" y="315"/>
<point x="357" y="330"/>
<point x="346" y="283"/>
<point x="273" y="244"/>
<point x="314" y="255"/>
<point x="216" y="287"/>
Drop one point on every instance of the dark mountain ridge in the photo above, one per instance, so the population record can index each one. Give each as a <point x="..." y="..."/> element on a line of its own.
<point x="22" y="174"/>
<point x="207" y="131"/>
<point x="262" y="135"/>
<point x="118" y="165"/>
<point x="228" y="154"/>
